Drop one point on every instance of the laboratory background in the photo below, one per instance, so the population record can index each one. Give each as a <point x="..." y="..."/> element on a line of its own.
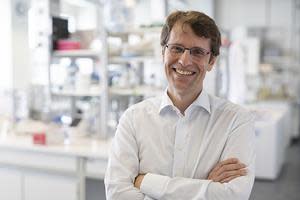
<point x="70" y="68"/>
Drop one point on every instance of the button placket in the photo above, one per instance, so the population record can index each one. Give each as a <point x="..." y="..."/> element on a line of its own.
<point x="179" y="148"/>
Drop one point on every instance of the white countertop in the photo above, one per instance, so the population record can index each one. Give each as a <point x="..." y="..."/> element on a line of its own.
<point x="84" y="147"/>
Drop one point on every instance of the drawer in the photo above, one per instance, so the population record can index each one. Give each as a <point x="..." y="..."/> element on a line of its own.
<point x="95" y="168"/>
<point x="38" y="160"/>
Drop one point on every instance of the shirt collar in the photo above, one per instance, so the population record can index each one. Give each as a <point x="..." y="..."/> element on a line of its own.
<point x="165" y="101"/>
<point x="201" y="101"/>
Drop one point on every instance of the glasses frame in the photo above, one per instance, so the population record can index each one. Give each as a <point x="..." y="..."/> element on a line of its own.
<point x="206" y="52"/>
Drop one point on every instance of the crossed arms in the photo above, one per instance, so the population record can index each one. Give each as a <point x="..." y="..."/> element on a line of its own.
<point x="231" y="178"/>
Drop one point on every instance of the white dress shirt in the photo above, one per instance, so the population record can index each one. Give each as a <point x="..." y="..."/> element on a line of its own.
<point x="177" y="152"/>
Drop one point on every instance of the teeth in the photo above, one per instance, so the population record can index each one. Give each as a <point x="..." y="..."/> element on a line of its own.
<point x="183" y="72"/>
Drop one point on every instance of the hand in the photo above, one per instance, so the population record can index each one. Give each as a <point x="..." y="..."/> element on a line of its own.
<point x="138" y="180"/>
<point x="227" y="170"/>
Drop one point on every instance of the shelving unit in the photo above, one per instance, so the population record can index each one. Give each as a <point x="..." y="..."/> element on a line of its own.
<point x="77" y="53"/>
<point x="83" y="92"/>
<point x="122" y="60"/>
<point x="114" y="98"/>
<point x="71" y="93"/>
<point x="136" y="91"/>
<point x="132" y="61"/>
<point x="97" y="91"/>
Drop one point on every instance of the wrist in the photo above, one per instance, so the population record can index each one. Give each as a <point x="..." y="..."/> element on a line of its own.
<point x="138" y="180"/>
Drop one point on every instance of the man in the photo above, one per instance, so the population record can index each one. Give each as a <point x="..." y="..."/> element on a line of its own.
<point x="186" y="144"/>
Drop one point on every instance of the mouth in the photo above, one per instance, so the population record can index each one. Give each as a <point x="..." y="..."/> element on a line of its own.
<point x="184" y="72"/>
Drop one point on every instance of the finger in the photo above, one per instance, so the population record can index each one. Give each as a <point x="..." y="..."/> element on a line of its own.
<point x="228" y="179"/>
<point x="230" y="167"/>
<point x="229" y="161"/>
<point x="225" y="162"/>
<point x="227" y="174"/>
<point x="215" y="171"/>
<point x="223" y="166"/>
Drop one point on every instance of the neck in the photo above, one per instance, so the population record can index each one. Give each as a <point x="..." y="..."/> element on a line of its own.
<point x="182" y="101"/>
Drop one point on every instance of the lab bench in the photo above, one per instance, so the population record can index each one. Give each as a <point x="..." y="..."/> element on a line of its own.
<point x="54" y="171"/>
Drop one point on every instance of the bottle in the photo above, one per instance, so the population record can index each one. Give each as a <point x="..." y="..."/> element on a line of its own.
<point x="72" y="71"/>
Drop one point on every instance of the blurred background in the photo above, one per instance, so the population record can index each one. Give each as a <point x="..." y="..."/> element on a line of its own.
<point x="70" y="68"/>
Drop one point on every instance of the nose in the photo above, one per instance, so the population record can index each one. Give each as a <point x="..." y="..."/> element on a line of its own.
<point x="185" y="58"/>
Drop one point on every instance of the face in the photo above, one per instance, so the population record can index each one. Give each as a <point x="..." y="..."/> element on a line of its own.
<point x="185" y="73"/>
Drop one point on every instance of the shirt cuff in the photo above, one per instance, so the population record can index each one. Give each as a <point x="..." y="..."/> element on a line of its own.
<point x="203" y="190"/>
<point x="154" y="185"/>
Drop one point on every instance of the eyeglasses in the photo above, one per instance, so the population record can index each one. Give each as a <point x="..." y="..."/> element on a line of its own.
<point x="195" y="52"/>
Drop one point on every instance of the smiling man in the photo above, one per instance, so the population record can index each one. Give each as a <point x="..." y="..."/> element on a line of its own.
<point x="186" y="144"/>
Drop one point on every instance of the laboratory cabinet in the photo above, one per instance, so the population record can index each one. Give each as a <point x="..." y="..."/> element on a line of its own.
<point x="47" y="186"/>
<point x="24" y="184"/>
<point x="272" y="136"/>
<point x="10" y="184"/>
<point x="35" y="175"/>
<point x="27" y="175"/>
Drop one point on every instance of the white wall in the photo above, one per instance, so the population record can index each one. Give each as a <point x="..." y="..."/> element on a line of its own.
<point x="231" y="13"/>
<point x="6" y="69"/>
<point x="273" y="14"/>
<point x="20" y="45"/>
<point x="148" y="11"/>
<point x="5" y="47"/>
<point x="143" y="14"/>
<point x="206" y="6"/>
<point x="83" y="12"/>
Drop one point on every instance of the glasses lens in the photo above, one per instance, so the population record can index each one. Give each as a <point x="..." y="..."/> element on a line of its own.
<point x="175" y="49"/>
<point x="198" y="52"/>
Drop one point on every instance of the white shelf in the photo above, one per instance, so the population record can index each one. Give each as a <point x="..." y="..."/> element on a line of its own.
<point x="77" y="53"/>
<point x="136" y="91"/>
<point x="120" y="59"/>
<point x="80" y="93"/>
<point x="136" y="31"/>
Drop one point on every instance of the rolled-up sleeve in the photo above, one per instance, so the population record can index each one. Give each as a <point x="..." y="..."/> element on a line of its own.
<point x="123" y="164"/>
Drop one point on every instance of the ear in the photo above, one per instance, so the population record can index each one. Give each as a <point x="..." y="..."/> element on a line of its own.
<point x="211" y="63"/>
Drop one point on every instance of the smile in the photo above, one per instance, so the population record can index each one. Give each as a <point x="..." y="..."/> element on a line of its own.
<point x="183" y="72"/>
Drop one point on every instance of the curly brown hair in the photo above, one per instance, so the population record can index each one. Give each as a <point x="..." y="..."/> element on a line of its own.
<point x="201" y="24"/>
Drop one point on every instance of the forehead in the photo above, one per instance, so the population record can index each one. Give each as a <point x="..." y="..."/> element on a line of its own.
<point x="183" y="34"/>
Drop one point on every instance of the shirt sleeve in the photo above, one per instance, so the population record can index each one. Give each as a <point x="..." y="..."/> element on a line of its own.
<point x="240" y="144"/>
<point x="123" y="163"/>
<point x="177" y="188"/>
